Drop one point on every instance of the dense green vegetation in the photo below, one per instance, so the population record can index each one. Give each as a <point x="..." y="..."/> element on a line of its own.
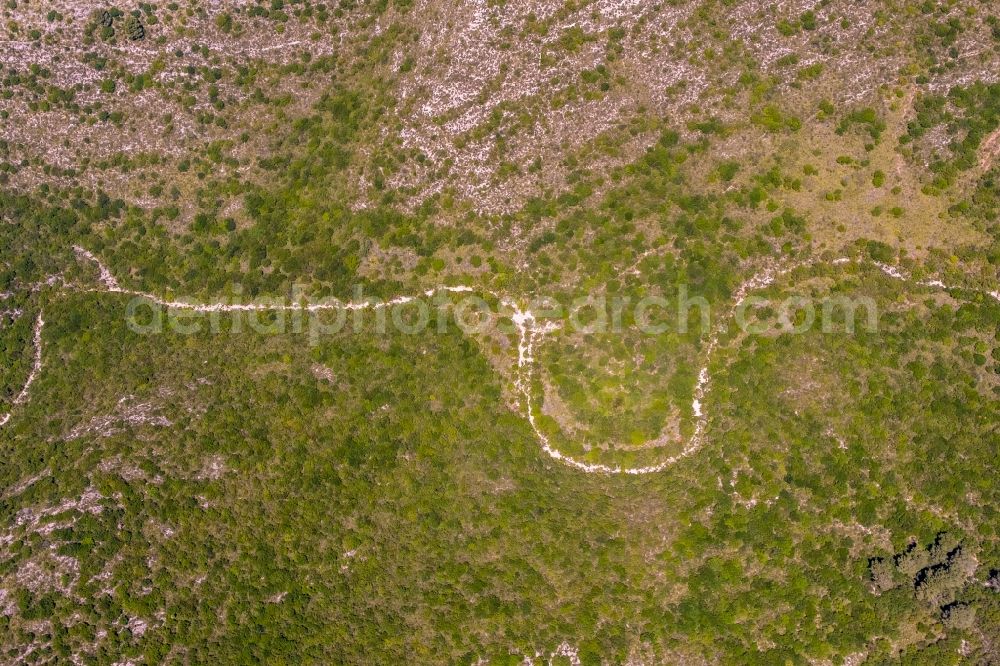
<point x="305" y="494"/>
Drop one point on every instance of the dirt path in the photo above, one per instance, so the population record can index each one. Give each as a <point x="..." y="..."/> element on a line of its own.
<point x="36" y="367"/>
<point x="990" y="149"/>
<point x="531" y="331"/>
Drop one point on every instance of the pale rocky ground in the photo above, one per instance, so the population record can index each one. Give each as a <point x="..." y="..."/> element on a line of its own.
<point x="485" y="94"/>
<point x="160" y="124"/>
<point x="491" y="97"/>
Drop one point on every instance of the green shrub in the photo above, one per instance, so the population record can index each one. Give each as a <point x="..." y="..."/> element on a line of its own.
<point x="134" y="28"/>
